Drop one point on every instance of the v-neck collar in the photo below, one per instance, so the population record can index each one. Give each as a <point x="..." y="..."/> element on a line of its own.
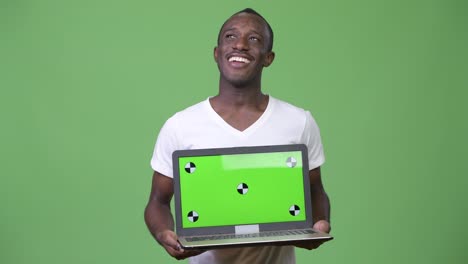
<point x="249" y="130"/>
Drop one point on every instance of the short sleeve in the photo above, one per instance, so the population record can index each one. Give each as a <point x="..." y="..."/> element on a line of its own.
<point x="311" y="137"/>
<point x="166" y="144"/>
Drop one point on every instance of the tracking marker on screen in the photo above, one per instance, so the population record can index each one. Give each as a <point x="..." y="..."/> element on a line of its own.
<point x="192" y="216"/>
<point x="190" y="167"/>
<point x="242" y="188"/>
<point x="294" y="210"/>
<point x="291" y="162"/>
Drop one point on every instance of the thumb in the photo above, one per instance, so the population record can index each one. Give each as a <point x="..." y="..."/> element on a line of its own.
<point x="169" y="238"/>
<point x="322" y="225"/>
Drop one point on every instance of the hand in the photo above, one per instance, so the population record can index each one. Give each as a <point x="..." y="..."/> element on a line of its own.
<point x="168" y="239"/>
<point x="322" y="226"/>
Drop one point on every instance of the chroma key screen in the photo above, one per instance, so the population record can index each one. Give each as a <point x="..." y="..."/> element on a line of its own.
<point x="240" y="189"/>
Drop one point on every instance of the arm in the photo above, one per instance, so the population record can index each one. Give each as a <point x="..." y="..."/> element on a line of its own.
<point x="159" y="219"/>
<point x="321" y="208"/>
<point x="320" y="202"/>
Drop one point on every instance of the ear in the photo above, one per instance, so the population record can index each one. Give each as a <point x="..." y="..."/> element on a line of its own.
<point x="215" y="53"/>
<point x="269" y="59"/>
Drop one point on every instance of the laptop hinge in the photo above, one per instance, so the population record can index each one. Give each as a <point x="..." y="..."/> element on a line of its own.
<point x="247" y="229"/>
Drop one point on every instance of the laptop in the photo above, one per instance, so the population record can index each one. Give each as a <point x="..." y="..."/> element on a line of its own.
<point x="243" y="196"/>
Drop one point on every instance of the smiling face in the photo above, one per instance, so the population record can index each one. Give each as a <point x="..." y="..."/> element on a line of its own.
<point x="242" y="50"/>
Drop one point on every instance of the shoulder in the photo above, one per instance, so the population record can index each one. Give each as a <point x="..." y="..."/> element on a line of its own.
<point x="289" y="111"/>
<point x="286" y="106"/>
<point x="189" y="113"/>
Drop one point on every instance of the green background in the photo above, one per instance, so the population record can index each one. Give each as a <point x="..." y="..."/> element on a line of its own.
<point x="211" y="190"/>
<point x="86" y="85"/>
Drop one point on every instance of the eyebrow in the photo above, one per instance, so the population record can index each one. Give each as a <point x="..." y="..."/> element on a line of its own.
<point x="233" y="28"/>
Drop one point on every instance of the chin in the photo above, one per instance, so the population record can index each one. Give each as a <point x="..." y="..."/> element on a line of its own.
<point x="240" y="81"/>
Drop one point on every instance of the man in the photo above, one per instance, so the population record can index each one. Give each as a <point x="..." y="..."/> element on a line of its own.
<point x="240" y="115"/>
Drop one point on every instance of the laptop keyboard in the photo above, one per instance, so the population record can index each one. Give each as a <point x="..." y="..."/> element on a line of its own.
<point x="241" y="236"/>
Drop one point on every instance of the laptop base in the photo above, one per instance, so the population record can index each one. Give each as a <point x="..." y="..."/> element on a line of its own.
<point x="253" y="239"/>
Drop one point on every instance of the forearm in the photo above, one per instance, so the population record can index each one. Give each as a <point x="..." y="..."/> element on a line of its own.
<point x="320" y="205"/>
<point x="158" y="218"/>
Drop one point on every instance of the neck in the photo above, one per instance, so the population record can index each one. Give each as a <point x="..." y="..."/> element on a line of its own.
<point x="242" y="94"/>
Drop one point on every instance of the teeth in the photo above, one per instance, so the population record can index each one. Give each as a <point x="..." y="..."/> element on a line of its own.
<point x="239" y="59"/>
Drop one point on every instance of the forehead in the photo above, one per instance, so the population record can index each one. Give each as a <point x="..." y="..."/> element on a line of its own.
<point x="246" y="21"/>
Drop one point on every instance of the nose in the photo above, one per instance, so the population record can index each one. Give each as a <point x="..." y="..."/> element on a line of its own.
<point x="241" y="44"/>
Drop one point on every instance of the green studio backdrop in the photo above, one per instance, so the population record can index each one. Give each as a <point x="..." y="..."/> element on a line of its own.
<point x="86" y="85"/>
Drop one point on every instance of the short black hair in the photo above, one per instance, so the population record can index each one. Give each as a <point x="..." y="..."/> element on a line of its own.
<point x="253" y="12"/>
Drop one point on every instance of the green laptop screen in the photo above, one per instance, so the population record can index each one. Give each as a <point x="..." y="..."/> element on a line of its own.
<point x="241" y="189"/>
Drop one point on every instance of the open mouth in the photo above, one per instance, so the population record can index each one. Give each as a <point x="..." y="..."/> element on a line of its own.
<point x="239" y="59"/>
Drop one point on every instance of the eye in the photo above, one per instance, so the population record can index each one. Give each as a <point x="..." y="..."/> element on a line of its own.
<point x="253" y="38"/>
<point x="230" y="36"/>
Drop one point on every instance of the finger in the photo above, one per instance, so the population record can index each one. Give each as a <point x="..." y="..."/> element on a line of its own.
<point x="179" y="254"/>
<point x="309" y="245"/>
<point x="169" y="240"/>
<point x="192" y="252"/>
<point x="185" y="254"/>
<point x="174" y="245"/>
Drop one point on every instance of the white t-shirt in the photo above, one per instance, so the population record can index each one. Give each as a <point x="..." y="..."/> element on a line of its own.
<point x="199" y="126"/>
